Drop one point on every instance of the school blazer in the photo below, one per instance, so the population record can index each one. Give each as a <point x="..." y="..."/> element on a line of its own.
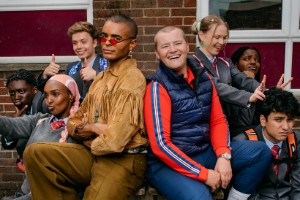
<point x="283" y="187"/>
<point x="233" y="86"/>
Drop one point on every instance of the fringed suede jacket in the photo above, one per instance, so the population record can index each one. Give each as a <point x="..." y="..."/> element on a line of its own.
<point x="115" y="98"/>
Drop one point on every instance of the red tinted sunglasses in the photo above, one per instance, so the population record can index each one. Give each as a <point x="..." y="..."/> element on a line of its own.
<point x="113" y="41"/>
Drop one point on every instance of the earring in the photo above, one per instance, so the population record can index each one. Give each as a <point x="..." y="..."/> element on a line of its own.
<point x="71" y="100"/>
<point x="202" y="44"/>
<point x="130" y="54"/>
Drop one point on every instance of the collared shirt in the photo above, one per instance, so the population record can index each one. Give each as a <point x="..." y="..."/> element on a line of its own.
<point x="190" y="77"/>
<point x="271" y="144"/>
<point x="91" y="62"/>
<point x="56" y="119"/>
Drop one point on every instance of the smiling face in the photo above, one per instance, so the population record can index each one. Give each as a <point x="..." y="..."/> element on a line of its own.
<point x="277" y="126"/>
<point x="84" y="45"/>
<point x="172" y="49"/>
<point x="21" y="93"/>
<point x="214" y="40"/>
<point x="57" y="98"/>
<point x="249" y="61"/>
<point x="118" y="52"/>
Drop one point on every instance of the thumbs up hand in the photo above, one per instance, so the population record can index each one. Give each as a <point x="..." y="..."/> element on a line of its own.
<point x="87" y="72"/>
<point x="51" y="69"/>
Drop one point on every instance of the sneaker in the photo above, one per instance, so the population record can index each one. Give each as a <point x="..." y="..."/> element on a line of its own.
<point x="20" y="165"/>
<point x="8" y="144"/>
<point x="18" y="196"/>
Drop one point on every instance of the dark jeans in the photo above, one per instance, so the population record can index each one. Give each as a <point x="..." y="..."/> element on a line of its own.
<point x="250" y="159"/>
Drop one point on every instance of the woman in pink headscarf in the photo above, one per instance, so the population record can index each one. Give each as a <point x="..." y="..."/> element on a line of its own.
<point x="62" y="99"/>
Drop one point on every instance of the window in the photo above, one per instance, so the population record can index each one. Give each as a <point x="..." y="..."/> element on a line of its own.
<point x="33" y="30"/>
<point x="249" y="15"/>
<point x="272" y="26"/>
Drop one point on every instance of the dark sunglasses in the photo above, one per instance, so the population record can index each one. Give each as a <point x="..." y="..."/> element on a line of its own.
<point x="113" y="41"/>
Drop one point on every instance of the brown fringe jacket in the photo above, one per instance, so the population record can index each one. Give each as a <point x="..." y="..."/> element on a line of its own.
<point x="115" y="98"/>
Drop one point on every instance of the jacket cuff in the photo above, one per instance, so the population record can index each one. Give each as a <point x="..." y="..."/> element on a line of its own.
<point x="203" y="174"/>
<point x="222" y="150"/>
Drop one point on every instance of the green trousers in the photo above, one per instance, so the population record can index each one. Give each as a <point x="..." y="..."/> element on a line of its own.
<point x="59" y="170"/>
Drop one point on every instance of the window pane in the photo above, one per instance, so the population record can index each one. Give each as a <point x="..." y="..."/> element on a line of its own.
<point x="295" y="66"/>
<point x="37" y="33"/>
<point x="249" y="15"/>
<point x="272" y="59"/>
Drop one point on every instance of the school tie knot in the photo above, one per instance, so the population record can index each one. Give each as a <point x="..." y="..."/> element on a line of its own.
<point x="55" y="124"/>
<point x="275" y="152"/>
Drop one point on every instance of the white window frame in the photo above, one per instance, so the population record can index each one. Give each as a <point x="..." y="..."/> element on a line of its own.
<point x="34" y="5"/>
<point x="289" y="33"/>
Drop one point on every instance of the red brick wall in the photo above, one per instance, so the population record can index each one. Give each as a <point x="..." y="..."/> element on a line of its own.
<point x="150" y="16"/>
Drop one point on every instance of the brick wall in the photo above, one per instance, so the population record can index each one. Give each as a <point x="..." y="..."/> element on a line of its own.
<point x="150" y="16"/>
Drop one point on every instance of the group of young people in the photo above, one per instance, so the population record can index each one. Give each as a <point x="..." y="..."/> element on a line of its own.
<point x="101" y="150"/>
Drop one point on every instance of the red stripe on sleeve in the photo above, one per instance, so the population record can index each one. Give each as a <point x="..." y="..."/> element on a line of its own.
<point x="157" y="115"/>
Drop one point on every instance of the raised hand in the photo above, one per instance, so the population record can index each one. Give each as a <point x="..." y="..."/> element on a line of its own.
<point x="259" y="92"/>
<point x="87" y="72"/>
<point x="281" y="84"/>
<point x="51" y="69"/>
<point x="249" y="74"/>
<point x="21" y="112"/>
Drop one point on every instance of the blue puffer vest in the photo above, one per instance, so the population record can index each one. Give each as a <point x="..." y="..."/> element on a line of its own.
<point x="190" y="107"/>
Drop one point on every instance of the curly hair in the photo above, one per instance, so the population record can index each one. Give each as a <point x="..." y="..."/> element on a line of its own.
<point x="235" y="57"/>
<point x="22" y="74"/>
<point x="278" y="100"/>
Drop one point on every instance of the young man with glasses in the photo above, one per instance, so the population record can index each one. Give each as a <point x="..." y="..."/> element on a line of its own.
<point x="84" y="38"/>
<point x="112" y="161"/>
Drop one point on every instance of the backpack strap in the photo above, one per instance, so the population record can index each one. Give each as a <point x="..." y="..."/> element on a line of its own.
<point x="251" y="134"/>
<point x="292" y="145"/>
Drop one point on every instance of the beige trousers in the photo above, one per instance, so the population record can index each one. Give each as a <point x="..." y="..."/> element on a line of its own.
<point x="57" y="171"/>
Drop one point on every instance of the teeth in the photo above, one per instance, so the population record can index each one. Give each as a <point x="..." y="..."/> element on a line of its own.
<point x="173" y="57"/>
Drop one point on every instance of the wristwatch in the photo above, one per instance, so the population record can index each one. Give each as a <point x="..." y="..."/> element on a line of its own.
<point x="227" y="156"/>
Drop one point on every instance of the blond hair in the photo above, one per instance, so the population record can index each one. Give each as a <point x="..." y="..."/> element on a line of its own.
<point x="207" y="23"/>
<point x="168" y="29"/>
<point x="83" y="27"/>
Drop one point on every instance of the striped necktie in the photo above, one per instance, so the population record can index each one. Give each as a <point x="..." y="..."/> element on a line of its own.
<point x="214" y="64"/>
<point x="275" y="153"/>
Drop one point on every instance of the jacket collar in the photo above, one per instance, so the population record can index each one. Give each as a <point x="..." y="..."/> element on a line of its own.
<point x="122" y="68"/>
<point x="205" y="61"/>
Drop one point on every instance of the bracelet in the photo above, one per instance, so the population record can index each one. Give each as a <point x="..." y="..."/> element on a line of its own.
<point x="79" y="127"/>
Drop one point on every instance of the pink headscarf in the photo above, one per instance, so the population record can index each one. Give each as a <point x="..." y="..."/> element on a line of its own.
<point x="70" y="83"/>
